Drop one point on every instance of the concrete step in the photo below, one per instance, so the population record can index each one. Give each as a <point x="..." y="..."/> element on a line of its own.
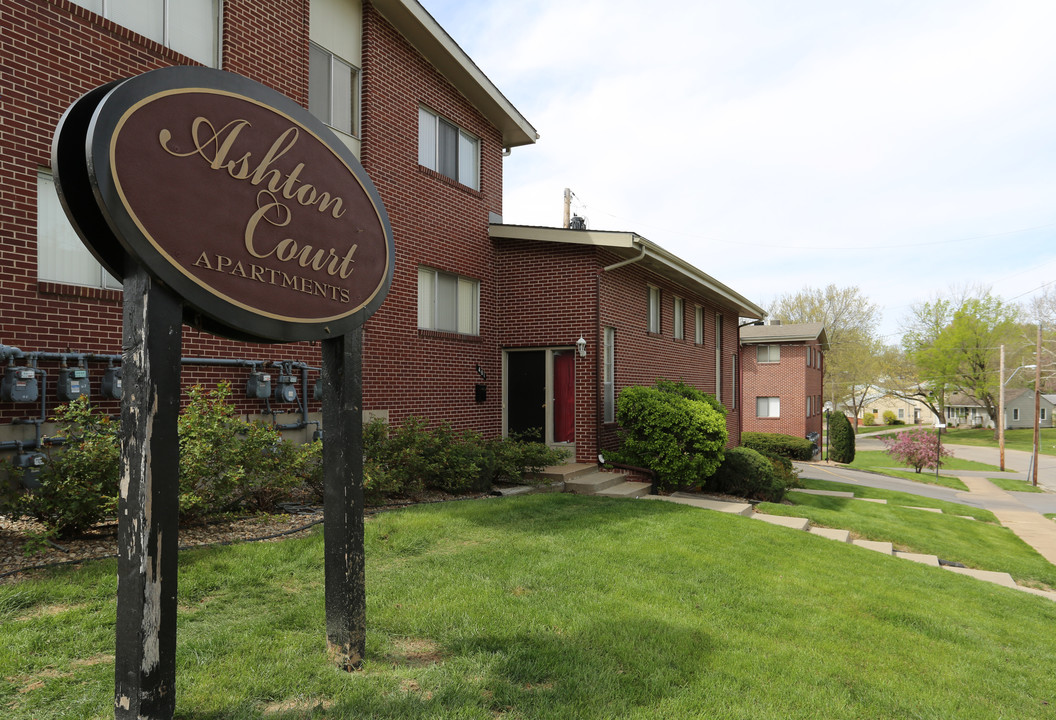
<point x="1035" y="591"/>
<point x="734" y="508"/>
<point x="790" y="522"/>
<point x="826" y="493"/>
<point x="832" y="534"/>
<point x="626" y="489"/>
<point x="1001" y="578"/>
<point x="591" y="483"/>
<point x="881" y="547"/>
<point x="931" y="510"/>
<point x="878" y="501"/>
<point x="931" y="560"/>
<point x="562" y="473"/>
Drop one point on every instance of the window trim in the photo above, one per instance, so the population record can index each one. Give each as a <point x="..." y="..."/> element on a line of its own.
<point x="435" y="163"/>
<point x="679" y="310"/>
<point x="770" y="400"/>
<point x="106" y="11"/>
<point x="434" y="327"/>
<point x="769" y="353"/>
<point x="357" y="91"/>
<point x="608" y="376"/>
<point x="654" y="314"/>
<point x="698" y="325"/>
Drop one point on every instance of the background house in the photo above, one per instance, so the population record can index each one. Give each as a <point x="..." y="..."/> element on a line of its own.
<point x="1019" y="409"/>
<point x="782" y="377"/>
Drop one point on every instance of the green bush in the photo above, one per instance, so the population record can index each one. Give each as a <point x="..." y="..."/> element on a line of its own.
<point x="841" y="438"/>
<point x="784" y="471"/>
<point x="671" y="429"/>
<point x="227" y="463"/>
<point x="748" y="474"/>
<point x="79" y="480"/>
<point x="787" y="446"/>
<point x="868" y="419"/>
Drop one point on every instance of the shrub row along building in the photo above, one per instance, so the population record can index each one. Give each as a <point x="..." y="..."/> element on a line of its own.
<point x="492" y="327"/>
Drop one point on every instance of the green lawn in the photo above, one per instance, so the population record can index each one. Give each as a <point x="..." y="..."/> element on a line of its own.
<point x="1016" y="439"/>
<point x="982" y="543"/>
<point x="1006" y="483"/>
<point x="556" y="606"/>
<point x="880" y="461"/>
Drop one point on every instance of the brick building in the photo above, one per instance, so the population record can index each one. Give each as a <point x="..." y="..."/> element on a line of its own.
<point x="472" y="303"/>
<point x="782" y="373"/>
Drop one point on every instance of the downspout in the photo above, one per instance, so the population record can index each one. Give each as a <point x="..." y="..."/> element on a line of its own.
<point x="628" y="261"/>
<point x="599" y="400"/>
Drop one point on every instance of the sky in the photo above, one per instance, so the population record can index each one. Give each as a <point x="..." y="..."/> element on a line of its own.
<point x="901" y="147"/>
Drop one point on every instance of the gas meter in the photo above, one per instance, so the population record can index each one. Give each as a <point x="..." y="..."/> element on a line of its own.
<point x="258" y="385"/>
<point x="31" y="465"/>
<point x="286" y="388"/>
<point x="19" y="385"/>
<point x="73" y="382"/>
<point x="110" y="385"/>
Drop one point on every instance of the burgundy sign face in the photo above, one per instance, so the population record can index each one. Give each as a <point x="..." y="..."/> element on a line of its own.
<point x="240" y="200"/>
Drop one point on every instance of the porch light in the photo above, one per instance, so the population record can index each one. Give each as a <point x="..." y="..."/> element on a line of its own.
<point x="581" y="345"/>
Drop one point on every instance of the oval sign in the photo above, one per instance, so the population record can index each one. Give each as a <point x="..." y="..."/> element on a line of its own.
<point x="242" y="202"/>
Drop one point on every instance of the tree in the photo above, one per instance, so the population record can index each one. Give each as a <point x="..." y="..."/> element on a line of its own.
<point x="917" y="448"/>
<point x="956" y="346"/>
<point x="841" y="438"/>
<point x="851" y="323"/>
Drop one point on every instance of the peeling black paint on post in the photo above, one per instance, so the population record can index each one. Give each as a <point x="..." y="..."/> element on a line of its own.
<point x="346" y="624"/>
<point x="148" y="504"/>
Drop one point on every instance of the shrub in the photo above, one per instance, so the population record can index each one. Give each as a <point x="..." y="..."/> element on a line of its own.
<point x="918" y="449"/>
<point x="662" y="428"/>
<point x="747" y="473"/>
<point x="841" y="438"/>
<point x="79" y="481"/>
<point x="227" y="463"/>
<point x="889" y="417"/>
<point x="784" y="471"/>
<point x="513" y="460"/>
<point x="787" y="446"/>
<point x="868" y="419"/>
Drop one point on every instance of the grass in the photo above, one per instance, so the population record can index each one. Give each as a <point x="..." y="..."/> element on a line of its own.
<point x="1015" y="439"/>
<point x="981" y="543"/>
<point x="555" y="606"/>
<point x="1014" y="485"/>
<point x="880" y="461"/>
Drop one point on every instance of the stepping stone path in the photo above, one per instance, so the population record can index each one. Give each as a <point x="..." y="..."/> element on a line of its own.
<point x="748" y="510"/>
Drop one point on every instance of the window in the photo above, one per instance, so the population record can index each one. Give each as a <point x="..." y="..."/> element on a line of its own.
<point x="680" y="320"/>
<point x="448" y="149"/>
<point x="190" y="27"/>
<point x="768" y="353"/>
<point x="653" y="322"/>
<point x="1015" y="413"/>
<point x="333" y="89"/>
<point x="767" y="407"/>
<point x="447" y="302"/>
<point x="1041" y="416"/>
<point x="901" y="413"/>
<point x="608" y="379"/>
<point x="733" y="381"/>
<point x="698" y="325"/>
<point x="718" y="357"/>
<point x="809" y="357"/>
<point x="810" y="401"/>
<point x="61" y="256"/>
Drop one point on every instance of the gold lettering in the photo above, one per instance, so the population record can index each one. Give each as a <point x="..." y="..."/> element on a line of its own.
<point x="203" y="261"/>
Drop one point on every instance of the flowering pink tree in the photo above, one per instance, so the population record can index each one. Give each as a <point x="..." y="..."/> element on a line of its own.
<point x="917" y="448"/>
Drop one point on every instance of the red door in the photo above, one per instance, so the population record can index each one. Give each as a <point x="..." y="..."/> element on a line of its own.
<point x="564" y="396"/>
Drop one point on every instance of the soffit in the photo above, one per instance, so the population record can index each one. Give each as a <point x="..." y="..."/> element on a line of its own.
<point x="423" y="32"/>
<point x="633" y="248"/>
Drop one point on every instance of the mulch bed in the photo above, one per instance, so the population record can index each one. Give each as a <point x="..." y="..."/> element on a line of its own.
<point x="22" y="555"/>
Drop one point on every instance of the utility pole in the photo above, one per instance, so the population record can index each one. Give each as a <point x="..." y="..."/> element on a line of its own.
<point x="568" y="208"/>
<point x="1001" y="410"/>
<point x="1037" y="407"/>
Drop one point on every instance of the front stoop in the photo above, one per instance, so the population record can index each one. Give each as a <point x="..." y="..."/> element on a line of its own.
<point x="628" y="488"/>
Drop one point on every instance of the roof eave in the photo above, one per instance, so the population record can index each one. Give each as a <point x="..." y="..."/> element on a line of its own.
<point x="423" y="32"/>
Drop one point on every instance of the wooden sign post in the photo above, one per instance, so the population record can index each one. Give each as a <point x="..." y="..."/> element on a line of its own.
<point x="225" y="205"/>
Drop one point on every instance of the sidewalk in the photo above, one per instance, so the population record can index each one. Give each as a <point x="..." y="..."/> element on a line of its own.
<point x="1031" y="526"/>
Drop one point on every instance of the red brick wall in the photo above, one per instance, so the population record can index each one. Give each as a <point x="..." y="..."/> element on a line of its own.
<point x="71" y="51"/>
<point x="641" y="357"/>
<point x="792" y="381"/>
<point x="436" y="222"/>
